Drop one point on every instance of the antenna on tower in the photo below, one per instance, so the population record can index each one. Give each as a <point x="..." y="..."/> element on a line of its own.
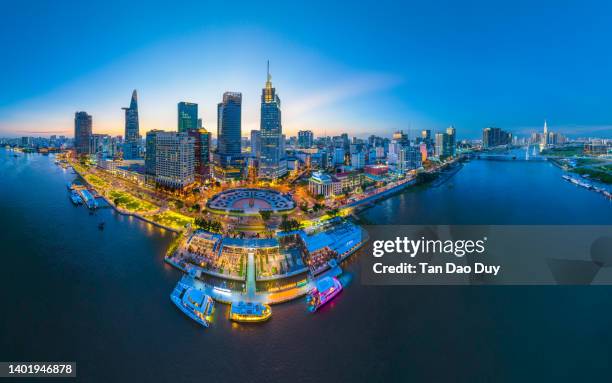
<point x="268" y="70"/>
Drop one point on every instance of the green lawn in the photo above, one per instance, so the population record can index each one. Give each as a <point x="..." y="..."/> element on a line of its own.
<point x="129" y="202"/>
<point x="171" y="219"/>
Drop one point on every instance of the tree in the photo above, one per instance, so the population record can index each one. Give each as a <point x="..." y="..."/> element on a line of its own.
<point x="333" y="212"/>
<point x="265" y="214"/>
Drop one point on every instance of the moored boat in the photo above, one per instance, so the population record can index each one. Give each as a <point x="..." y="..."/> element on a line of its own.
<point x="193" y="303"/>
<point x="325" y="290"/>
<point x="75" y="198"/>
<point x="250" y="312"/>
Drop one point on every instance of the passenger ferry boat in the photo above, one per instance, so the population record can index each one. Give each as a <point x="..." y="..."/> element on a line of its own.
<point x="250" y="312"/>
<point x="75" y="198"/>
<point x="194" y="303"/>
<point x="324" y="291"/>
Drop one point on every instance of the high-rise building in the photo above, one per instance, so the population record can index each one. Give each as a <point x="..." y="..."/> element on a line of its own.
<point x="255" y="143"/>
<point x="358" y="160"/>
<point x="82" y="132"/>
<point x="409" y="157"/>
<point x="202" y="140"/>
<point x="442" y="146"/>
<point x="150" y="153"/>
<point x="187" y="116"/>
<point x="426" y="135"/>
<point x="132" y="130"/>
<point x="305" y="139"/>
<point x="174" y="159"/>
<point x="271" y="164"/>
<point x="492" y="137"/>
<point x="452" y="141"/>
<point x="229" y="128"/>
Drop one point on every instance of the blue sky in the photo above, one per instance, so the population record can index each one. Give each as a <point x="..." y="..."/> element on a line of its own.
<point x="356" y="67"/>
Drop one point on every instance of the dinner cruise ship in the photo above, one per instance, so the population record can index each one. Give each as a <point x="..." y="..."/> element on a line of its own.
<point x="194" y="303"/>
<point x="324" y="291"/>
<point x="250" y="312"/>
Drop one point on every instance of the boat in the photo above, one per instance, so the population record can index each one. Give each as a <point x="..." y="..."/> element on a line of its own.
<point x="325" y="290"/>
<point x="250" y="312"/>
<point x="69" y="186"/>
<point x="193" y="303"/>
<point x="74" y="197"/>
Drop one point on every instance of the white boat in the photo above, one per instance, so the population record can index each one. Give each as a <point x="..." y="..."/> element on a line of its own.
<point x="193" y="303"/>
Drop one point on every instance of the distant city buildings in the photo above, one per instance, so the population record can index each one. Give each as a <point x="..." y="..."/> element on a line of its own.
<point x="131" y="146"/>
<point x="82" y="133"/>
<point x="188" y="116"/>
<point x="305" y="139"/>
<point x="492" y="137"/>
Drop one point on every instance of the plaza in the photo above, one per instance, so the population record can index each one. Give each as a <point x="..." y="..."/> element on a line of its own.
<point x="250" y="201"/>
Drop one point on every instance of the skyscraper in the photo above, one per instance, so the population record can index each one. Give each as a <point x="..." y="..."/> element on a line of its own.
<point x="452" y="141"/>
<point x="132" y="130"/>
<point x="271" y="164"/>
<point x="187" y="116"/>
<point x="82" y="132"/>
<point x="201" y="148"/>
<point x="305" y="138"/>
<point x="255" y="143"/>
<point x="492" y="137"/>
<point x="229" y="128"/>
<point x="174" y="159"/>
<point x="150" y="147"/>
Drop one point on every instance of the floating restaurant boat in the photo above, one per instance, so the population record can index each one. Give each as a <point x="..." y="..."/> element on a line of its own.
<point x="74" y="197"/>
<point x="250" y="312"/>
<point x="193" y="302"/>
<point x="324" y="291"/>
<point x="89" y="199"/>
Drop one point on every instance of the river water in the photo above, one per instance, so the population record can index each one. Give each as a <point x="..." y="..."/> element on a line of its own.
<point x="72" y="292"/>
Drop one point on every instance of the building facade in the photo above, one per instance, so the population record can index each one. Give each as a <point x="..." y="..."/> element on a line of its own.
<point x="132" y="130"/>
<point x="271" y="156"/>
<point x="82" y="132"/>
<point x="187" y="116"/>
<point x="174" y="160"/>
<point x="229" y="128"/>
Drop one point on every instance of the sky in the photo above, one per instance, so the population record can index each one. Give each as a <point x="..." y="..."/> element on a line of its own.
<point x="357" y="67"/>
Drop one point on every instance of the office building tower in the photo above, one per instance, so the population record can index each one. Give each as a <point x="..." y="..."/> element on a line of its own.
<point x="255" y="143"/>
<point x="271" y="156"/>
<point x="305" y="139"/>
<point x="132" y="130"/>
<point x="187" y="116"/>
<point x="150" y="153"/>
<point x="492" y="137"/>
<point x="452" y="141"/>
<point x="202" y="141"/>
<point x="174" y="160"/>
<point x="82" y="132"/>
<point x="229" y="128"/>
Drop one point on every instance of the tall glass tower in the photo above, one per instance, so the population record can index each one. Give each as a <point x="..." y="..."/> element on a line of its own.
<point x="132" y="130"/>
<point x="187" y="116"/>
<point x="271" y="164"/>
<point x="229" y="128"/>
<point x="82" y="132"/>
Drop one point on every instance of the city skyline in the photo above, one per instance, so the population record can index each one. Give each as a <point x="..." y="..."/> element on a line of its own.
<point x="462" y="68"/>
